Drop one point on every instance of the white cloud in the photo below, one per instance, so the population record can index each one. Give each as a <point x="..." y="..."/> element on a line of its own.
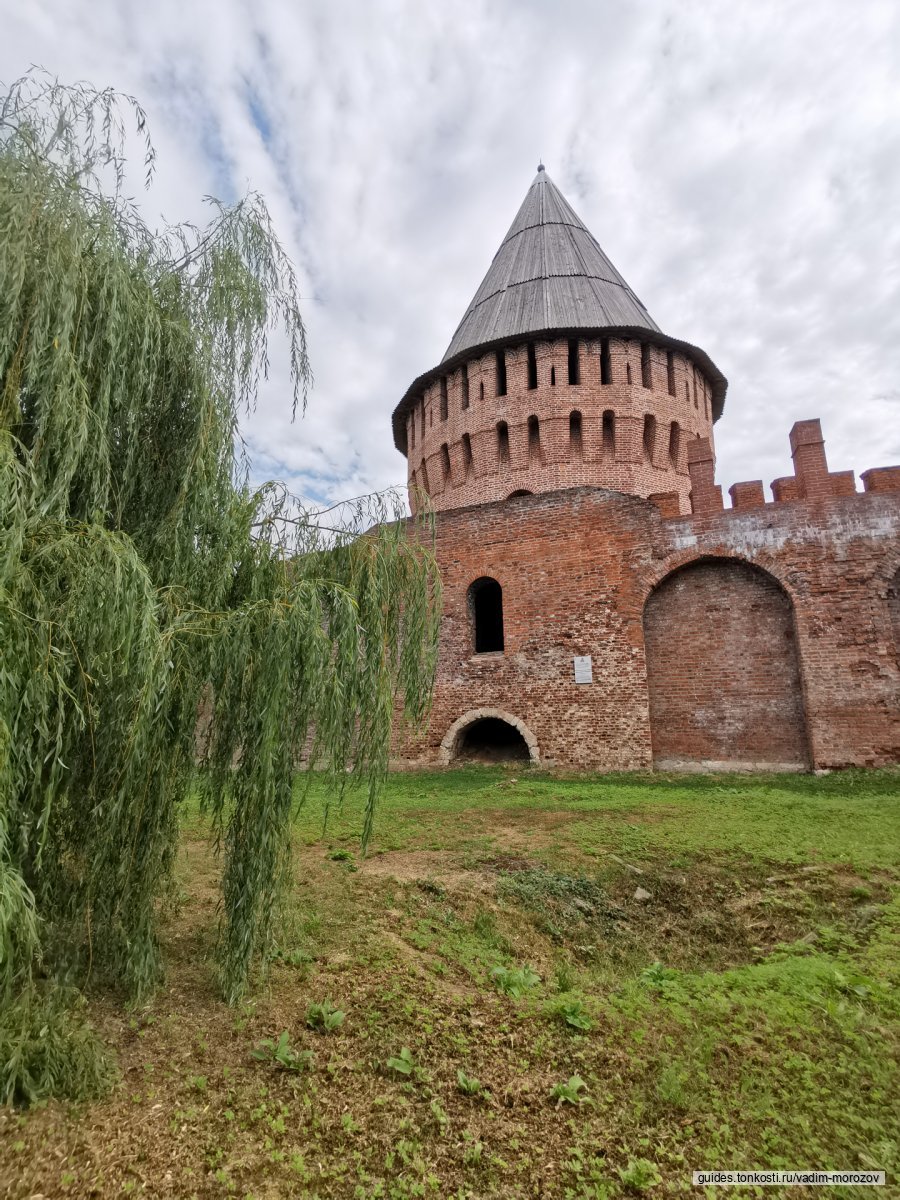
<point x="739" y="163"/>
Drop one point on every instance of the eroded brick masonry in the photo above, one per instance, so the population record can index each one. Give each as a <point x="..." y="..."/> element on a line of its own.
<point x="565" y="444"/>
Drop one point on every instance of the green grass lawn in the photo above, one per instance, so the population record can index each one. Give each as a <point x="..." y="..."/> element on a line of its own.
<point x="552" y="986"/>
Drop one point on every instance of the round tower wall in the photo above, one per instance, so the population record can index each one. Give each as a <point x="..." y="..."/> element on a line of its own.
<point x="625" y="424"/>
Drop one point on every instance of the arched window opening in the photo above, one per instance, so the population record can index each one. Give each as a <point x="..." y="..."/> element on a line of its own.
<point x="443" y="397"/>
<point x="481" y="390"/>
<point x="628" y="372"/>
<point x="553" y="376"/>
<point x="445" y="462"/>
<point x="486" y="609"/>
<point x="412" y="432"/>
<point x="687" y="395"/>
<point x="575" y="434"/>
<point x="649" y="437"/>
<point x="706" y="407"/>
<point x="491" y="740"/>
<point x="464" y="385"/>
<point x="605" y="363"/>
<point x="608" y="437"/>
<point x="502" y="442"/>
<point x="532" y="367"/>
<point x="674" y="443"/>
<point x="646" y="369"/>
<point x="519" y="492"/>
<point x="501" y="372"/>
<point x="534" y="439"/>
<point x="574" y="377"/>
<point x="423" y="475"/>
<point x="893" y="598"/>
<point x="422" y="417"/>
<point x="696" y="405"/>
<point x="670" y="371"/>
<point x="468" y="464"/>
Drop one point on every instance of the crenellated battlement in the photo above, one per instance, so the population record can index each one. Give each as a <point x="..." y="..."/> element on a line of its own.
<point x="811" y="479"/>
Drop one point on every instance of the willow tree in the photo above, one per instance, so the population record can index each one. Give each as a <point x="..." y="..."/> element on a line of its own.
<point x="142" y="580"/>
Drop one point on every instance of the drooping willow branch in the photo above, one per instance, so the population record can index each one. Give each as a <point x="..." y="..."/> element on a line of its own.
<point x="140" y="580"/>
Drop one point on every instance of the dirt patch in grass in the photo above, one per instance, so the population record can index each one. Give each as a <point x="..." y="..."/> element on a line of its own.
<point x="439" y="866"/>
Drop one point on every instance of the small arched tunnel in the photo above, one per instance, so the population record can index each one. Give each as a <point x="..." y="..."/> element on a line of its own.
<point x="489" y="735"/>
<point x="490" y="740"/>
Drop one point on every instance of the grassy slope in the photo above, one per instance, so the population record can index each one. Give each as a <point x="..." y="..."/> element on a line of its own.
<point x="746" y="1013"/>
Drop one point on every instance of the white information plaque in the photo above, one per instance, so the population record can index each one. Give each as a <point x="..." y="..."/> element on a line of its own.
<point x="584" y="671"/>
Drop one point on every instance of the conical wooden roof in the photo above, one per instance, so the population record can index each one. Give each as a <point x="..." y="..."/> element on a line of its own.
<point x="549" y="273"/>
<point x="550" y="278"/>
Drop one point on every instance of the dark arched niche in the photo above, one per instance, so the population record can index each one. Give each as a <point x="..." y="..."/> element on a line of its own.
<point x="486" y="607"/>
<point x="894" y="610"/>
<point x="490" y="740"/>
<point x="723" y="671"/>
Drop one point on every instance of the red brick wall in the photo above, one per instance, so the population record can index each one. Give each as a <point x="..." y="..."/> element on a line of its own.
<point x="627" y="467"/>
<point x="577" y="568"/>
<point x="732" y="692"/>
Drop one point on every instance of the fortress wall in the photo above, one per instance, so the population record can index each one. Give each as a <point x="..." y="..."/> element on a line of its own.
<point x="811" y="581"/>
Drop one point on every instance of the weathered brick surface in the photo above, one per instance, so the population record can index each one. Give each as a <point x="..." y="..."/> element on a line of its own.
<point x="894" y="609"/>
<point x="734" y="692"/>
<point x="881" y="479"/>
<point x="578" y="568"/>
<point x="464" y="404"/>
<point x="763" y="634"/>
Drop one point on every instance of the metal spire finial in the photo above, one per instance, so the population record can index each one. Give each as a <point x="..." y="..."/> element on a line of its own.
<point x="540" y="166"/>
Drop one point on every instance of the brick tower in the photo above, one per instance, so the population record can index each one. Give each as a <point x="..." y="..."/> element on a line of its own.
<point x="556" y="377"/>
<point x="602" y="608"/>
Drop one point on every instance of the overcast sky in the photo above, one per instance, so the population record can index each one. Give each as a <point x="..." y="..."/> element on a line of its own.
<point x="738" y="160"/>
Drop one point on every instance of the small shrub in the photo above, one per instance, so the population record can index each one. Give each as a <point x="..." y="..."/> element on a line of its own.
<point x="402" y="1063"/>
<point x="658" y="978"/>
<point x="469" y="1085"/>
<point x="569" y="1092"/>
<point x="473" y="1150"/>
<point x="283" y="1054"/>
<point x="515" y="981"/>
<point x="324" y="1017"/>
<point x="640" y="1174"/>
<point x="573" y="1014"/>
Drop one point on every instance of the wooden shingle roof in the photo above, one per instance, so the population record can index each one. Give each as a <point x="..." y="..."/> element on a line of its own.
<point x="550" y="278"/>
<point x="549" y="273"/>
